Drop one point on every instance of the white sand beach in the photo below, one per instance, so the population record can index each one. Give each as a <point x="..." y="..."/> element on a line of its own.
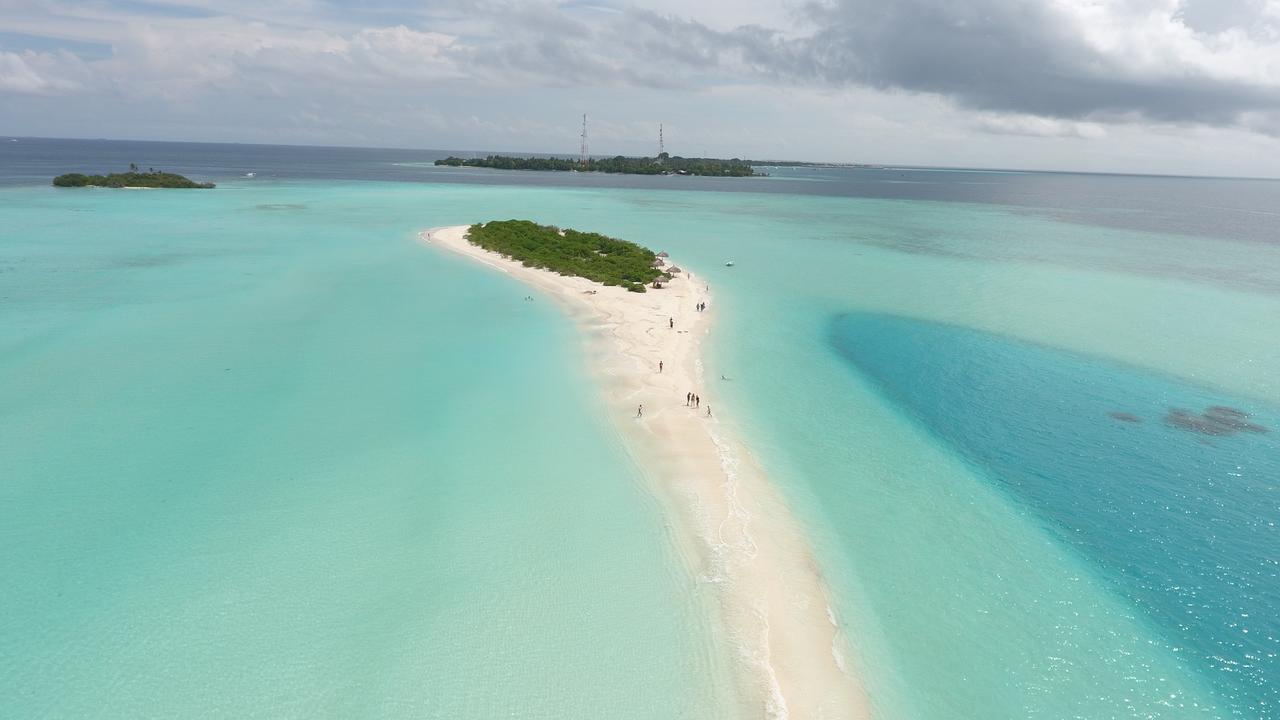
<point x="735" y="530"/>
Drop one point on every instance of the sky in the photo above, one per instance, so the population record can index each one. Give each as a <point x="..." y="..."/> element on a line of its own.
<point x="1143" y="86"/>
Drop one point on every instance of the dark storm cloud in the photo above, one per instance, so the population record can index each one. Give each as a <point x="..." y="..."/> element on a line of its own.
<point x="1007" y="55"/>
<point x="1010" y="56"/>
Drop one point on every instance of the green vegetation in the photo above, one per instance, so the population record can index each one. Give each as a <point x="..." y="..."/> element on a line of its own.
<point x="663" y="164"/>
<point x="569" y="252"/>
<point x="134" y="178"/>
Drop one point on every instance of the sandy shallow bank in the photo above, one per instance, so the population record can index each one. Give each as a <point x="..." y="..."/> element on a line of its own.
<point x="738" y="536"/>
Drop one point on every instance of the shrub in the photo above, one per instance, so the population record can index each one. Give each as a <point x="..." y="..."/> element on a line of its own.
<point x="596" y="257"/>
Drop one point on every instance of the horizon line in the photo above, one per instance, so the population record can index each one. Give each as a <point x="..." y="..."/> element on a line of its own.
<point x="528" y="153"/>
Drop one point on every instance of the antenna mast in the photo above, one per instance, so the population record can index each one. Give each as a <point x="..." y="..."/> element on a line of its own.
<point x="583" y="156"/>
<point x="661" y="147"/>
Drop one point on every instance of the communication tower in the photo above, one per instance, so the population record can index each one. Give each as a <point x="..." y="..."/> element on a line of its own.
<point x="584" y="157"/>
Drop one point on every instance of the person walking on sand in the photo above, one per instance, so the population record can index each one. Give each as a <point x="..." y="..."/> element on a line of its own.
<point x="640" y="410"/>
<point x="697" y="401"/>
<point x="708" y="411"/>
<point x="672" y="322"/>
<point x="659" y="366"/>
<point x="688" y="398"/>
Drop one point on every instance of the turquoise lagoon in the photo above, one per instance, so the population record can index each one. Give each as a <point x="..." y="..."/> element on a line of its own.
<point x="266" y="454"/>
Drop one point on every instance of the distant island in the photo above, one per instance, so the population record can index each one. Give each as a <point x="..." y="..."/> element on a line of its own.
<point x="135" y="178"/>
<point x="811" y="164"/>
<point x="597" y="257"/>
<point x="663" y="164"/>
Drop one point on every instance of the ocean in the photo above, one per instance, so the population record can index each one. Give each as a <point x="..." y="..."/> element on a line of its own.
<point x="267" y="455"/>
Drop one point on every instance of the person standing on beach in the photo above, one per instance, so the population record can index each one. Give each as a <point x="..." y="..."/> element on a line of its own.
<point x="659" y="366"/>
<point x="688" y="398"/>
<point x="708" y="411"/>
<point x="640" y="410"/>
<point x="697" y="401"/>
<point x="672" y="322"/>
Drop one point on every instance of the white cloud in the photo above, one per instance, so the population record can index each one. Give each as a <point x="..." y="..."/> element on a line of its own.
<point x="401" y="52"/>
<point x="1036" y="126"/>
<point x="1151" y="38"/>
<point x="36" y="73"/>
<point x="17" y="76"/>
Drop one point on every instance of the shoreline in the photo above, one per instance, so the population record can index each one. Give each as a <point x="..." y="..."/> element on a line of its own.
<point x="733" y="527"/>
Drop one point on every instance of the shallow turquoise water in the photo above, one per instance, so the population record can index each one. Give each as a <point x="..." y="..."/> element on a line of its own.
<point x="256" y="467"/>
<point x="970" y="600"/>
<point x="287" y="462"/>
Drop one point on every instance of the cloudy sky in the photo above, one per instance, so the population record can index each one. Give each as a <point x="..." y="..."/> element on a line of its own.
<point x="1165" y="86"/>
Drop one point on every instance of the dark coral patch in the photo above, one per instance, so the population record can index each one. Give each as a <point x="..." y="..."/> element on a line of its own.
<point x="1218" y="420"/>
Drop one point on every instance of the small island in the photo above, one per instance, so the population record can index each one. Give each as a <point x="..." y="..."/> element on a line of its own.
<point x="596" y="257"/>
<point x="135" y="178"/>
<point x="663" y="164"/>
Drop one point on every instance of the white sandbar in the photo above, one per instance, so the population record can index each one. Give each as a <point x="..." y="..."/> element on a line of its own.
<point x="736" y="532"/>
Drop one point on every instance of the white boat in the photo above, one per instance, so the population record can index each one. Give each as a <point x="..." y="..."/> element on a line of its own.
<point x="250" y="174"/>
<point x="729" y="264"/>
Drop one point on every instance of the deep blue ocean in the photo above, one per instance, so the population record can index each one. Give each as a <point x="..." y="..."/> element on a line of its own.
<point x="1169" y="487"/>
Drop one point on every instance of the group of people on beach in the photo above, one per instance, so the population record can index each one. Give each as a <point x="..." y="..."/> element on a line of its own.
<point x="694" y="400"/>
<point x="691" y="399"/>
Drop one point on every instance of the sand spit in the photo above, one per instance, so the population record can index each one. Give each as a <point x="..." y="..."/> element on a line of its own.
<point x="735" y="531"/>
